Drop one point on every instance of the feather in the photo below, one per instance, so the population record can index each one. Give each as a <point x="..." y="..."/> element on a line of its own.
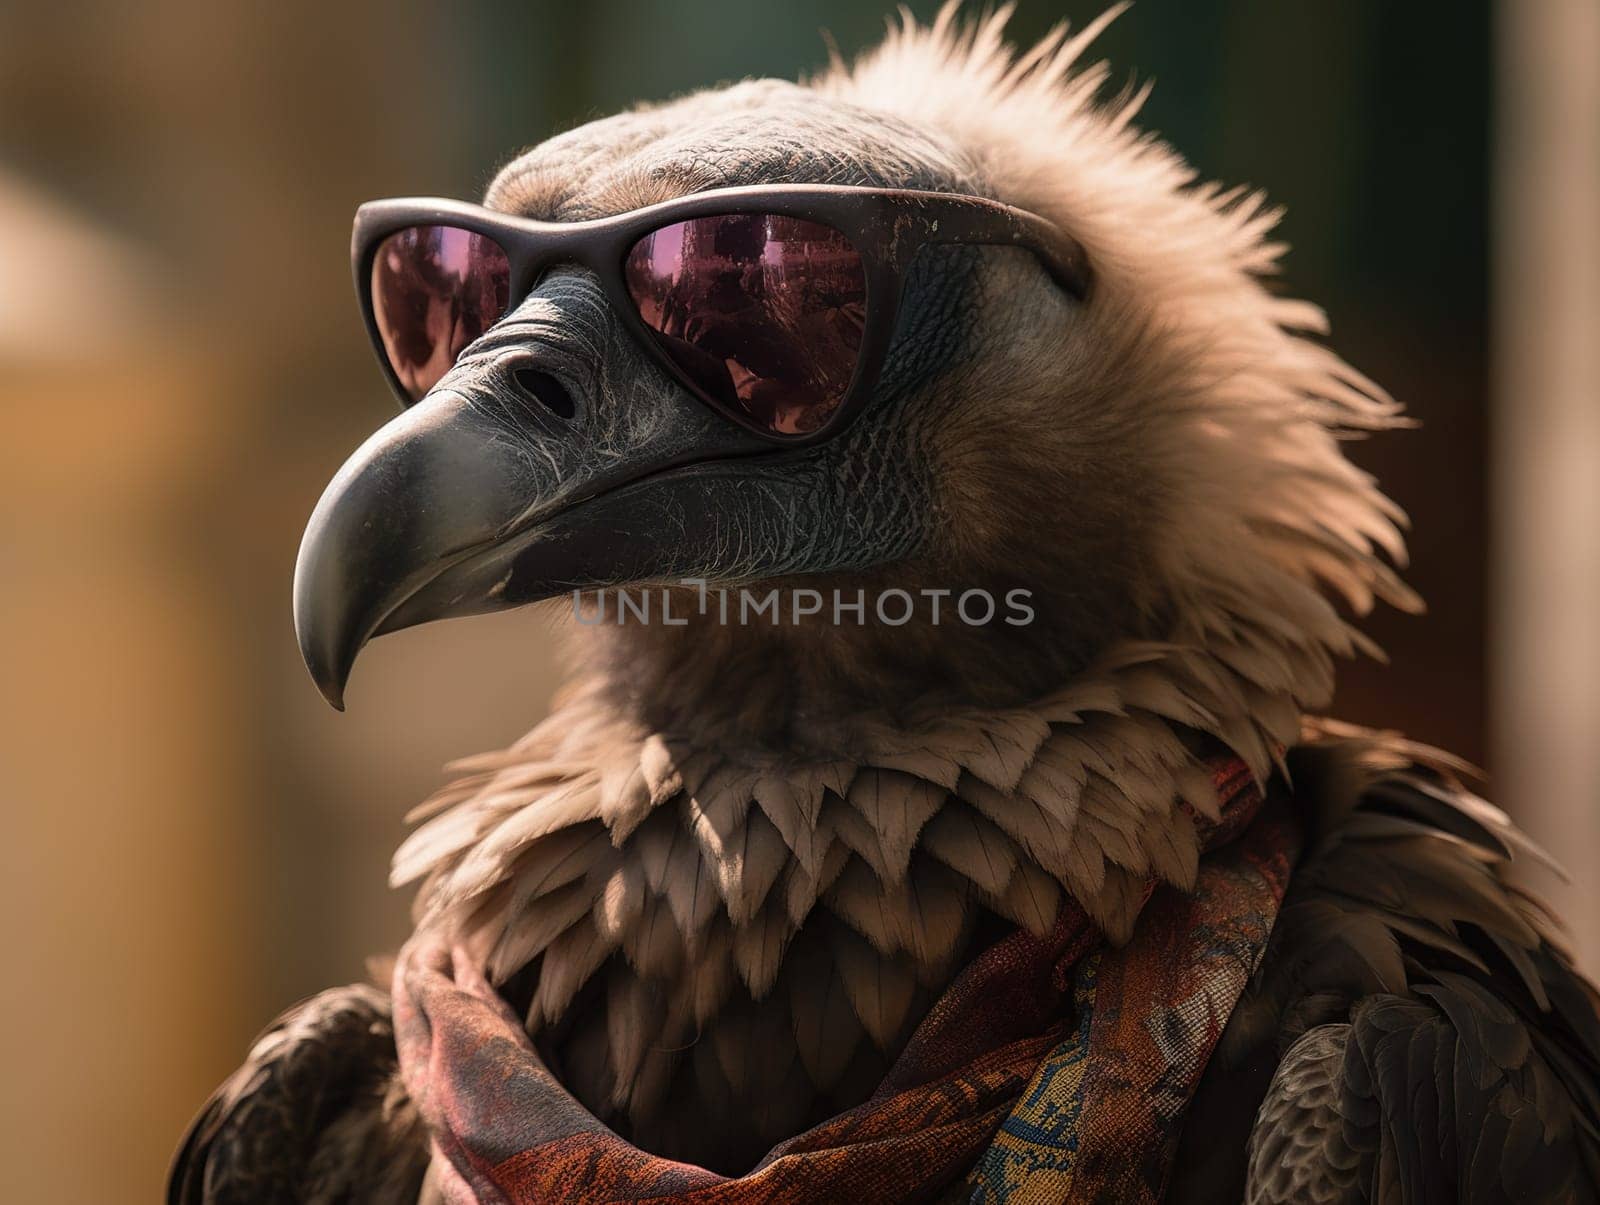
<point x="313" y="1114"/>
<point x="935" y="905"/>
<point x="564" y="857"/>
<point x="569" y="962"/>
<point x="751" y="867"/>
<point x="793" y="804"/>
<point x="635" y="1014"/>
<point x="1116" y="908"/>
<point x="1047" y="841"/>
<point x="653" y="1082"/>
<point x="712" y="970"/>
<point x="895" y="807"/>
<point x="1030" y="899"/>
<point x="1055" y="780"/>
<point x="1463" y="1075"/>
<point x="858" y="898"/>
<point x="620" y="901"/>
<point x="653" y="944"/>
<point x="659" y="765"/>
<point x="656" y="845"/>
<point x="972" y="846"/>
<point x="1009" y="743"/>
<point x="1108" y="823"/>
<point x="802" y="889"/>
<point x="626" y="797"/>
<point x="535" y="928"/>
<point x="485" y="864"/>
<point x="826" y="1029"/>
<point x="758" y="949"/>
<point x="1299" y="1152"/>
<point x="855" y="832"/>
<point x="930" y="764"/>
<point x="880" y="989"/>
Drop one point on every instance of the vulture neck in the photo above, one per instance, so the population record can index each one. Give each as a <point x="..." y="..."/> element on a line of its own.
<point x="803" y="688"/>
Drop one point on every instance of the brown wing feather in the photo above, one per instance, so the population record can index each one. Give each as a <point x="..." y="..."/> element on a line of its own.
<point x="315" y="1114"/>
<point x="1415" y="1010"/>
<point x="1300" y="1150"/>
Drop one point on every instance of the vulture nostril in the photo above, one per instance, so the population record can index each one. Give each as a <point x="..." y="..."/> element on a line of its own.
<point x="546" y="390"/>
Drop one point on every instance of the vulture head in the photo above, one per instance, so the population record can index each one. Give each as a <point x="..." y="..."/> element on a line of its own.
<point x="726" y="821"/>
<point x="1155" y="460"/>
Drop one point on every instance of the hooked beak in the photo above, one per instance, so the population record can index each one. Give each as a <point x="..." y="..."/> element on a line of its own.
<point x="483" y="496"/>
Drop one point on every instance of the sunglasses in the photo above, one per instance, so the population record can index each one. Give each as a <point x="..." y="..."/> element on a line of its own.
<point x="773" y="304"/>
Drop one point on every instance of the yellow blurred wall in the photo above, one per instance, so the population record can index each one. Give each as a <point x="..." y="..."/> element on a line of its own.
<point x="126" y="982"/>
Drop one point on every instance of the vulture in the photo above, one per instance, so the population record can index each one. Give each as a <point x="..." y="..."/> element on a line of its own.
<point x="806" y="890"/>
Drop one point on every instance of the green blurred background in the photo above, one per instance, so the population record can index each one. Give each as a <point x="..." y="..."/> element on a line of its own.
<point x="195" y="839"/>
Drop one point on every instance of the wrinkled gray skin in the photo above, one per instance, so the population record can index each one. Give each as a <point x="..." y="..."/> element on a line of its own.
<point x="479" y="497"/>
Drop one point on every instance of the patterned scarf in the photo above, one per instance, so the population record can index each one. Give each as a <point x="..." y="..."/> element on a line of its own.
<point x="1053" y="1069"/>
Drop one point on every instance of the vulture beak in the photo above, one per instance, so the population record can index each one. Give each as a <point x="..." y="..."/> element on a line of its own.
<point x="530" y="470"/>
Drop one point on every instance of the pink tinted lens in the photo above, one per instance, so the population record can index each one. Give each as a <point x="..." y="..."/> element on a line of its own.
<point x="763" y="313"/>
<point x="434" y="290"/>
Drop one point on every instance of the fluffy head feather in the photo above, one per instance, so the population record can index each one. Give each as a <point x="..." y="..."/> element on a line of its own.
<point x="1216" y="382"/>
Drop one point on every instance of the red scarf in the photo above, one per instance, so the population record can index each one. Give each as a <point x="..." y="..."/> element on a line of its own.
<point x="1052" y="1069"/>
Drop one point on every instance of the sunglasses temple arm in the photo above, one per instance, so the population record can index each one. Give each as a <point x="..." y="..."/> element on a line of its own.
<point x="1002" y="226"/>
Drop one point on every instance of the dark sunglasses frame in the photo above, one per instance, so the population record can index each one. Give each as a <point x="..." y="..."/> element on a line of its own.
<point x="886" y="227"/>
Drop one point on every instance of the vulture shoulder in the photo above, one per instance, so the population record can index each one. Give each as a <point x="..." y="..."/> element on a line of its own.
<point x="315" y="1114"/>
<point x="1413" y="1034"/>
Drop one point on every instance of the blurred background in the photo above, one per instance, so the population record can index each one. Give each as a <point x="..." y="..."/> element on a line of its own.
<point x="195" y="840"/>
